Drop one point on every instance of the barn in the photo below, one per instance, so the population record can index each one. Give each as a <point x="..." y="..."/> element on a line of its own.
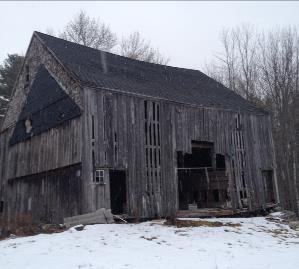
<point x="87" y="129"/>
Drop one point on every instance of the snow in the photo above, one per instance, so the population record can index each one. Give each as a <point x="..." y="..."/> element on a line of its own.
<point x="3" y="98"/>
<point x="257" y="243"/>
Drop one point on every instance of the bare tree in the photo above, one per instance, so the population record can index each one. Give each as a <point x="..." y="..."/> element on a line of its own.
<point x="246" y="42"/>
<point x="236" y="65"/>
<point x="279" y="75"/>
<point x="264" y="68"/>
<point x="136" y="47"/>
<point x="89" y="32"/>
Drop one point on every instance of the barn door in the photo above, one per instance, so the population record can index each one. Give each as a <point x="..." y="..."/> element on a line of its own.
<point x="118" y="193"/>
<point x="268" y="186"/>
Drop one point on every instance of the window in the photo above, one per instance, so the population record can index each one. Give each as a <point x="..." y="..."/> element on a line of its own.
<point x="220" y="161"/>
<point x="201" y="155"/>
<point x="216" y="195"/>
<point x="268" y="186"/>
<point x="27" y="73"/>
<point x="29" y="203"/>
<point x="99" y="177"/>
<point x="92" y="127"/>
<point x="1" y="206"/>
<point x="152" y="141"/>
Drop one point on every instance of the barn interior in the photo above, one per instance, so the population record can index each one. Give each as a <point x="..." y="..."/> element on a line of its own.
<point x="269" y="186"/>
<point x="118" y="192"/>
<point x="202" y="178"/>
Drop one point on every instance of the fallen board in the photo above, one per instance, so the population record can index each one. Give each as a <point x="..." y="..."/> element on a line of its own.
<point x="100" y="216"/>
<point x="205" y="212"/>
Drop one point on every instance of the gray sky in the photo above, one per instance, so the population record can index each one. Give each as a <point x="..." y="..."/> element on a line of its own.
<point x="187" y="32"/>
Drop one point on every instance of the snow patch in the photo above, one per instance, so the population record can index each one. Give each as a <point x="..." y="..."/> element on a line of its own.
<point x="257" y="243"/>
<point x="3" y="98"/>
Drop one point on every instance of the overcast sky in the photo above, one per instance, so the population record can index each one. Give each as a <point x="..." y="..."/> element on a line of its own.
<point x="187" y="32"/>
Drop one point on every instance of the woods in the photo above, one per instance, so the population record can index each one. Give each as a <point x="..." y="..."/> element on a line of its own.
<point x="8" y="74"/>
<point x="263" y="68"/>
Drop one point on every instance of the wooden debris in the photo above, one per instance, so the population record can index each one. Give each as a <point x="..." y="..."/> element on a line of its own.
<point x="101" y="216"/>
<point x="197" y="223"/>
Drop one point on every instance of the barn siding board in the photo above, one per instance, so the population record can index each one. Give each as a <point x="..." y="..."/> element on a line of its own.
<point x="52" y="194"/>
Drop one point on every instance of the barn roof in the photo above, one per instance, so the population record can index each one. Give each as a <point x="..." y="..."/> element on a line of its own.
<point x="106" y="70"/>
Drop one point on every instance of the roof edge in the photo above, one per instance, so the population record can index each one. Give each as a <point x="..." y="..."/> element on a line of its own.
<point x="14" y="86"/>
<point x="262" y="112"/>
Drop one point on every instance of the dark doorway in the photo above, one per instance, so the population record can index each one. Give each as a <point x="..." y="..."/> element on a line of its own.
<point x="191" y="185"/>
<point x="202" y="179"/>
<point x="220" y="161"/>
<point x="118" y="193"/>
<point x="268" y="186"/>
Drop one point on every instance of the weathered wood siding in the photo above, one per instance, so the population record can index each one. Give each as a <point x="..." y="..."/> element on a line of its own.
<point x="55" y="148"/>
<point x="46" y="197"/>
<point x="58" y="147"/>
<point x="120" y="142"/>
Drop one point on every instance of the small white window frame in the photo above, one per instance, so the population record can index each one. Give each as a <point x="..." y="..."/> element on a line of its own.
<point x="99" y="176"/>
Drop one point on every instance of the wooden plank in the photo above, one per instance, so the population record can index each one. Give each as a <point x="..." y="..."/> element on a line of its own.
<point x="100" y="216"/>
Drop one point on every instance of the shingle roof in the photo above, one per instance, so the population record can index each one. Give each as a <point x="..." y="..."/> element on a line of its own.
<point x="46" y="106"/>
<point x="106" y="70"/>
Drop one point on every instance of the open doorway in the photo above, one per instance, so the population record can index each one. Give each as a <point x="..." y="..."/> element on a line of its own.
<point x="118" y="193"/>
<point x="202" y="178"/>
<point x="268" y="186"/>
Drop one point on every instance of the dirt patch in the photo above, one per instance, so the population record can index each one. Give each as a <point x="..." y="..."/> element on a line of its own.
<point x="198" y="223"/>
<point x="32" y="229"/>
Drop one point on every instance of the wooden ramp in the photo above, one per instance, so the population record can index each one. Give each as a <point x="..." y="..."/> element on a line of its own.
<point x="220" y="212"/>
<point x="101" y="216"/>
<point x="205" y="213"/>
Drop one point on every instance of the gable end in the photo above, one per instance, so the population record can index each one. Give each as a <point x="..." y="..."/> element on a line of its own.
<point x="46" y="106"/>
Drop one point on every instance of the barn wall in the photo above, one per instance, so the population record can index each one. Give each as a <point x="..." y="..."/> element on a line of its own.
<point x="55" y="148"/>
<point x="58" y="147"/>
<point x="120" y="142"/>
<point x="45" y="197"/>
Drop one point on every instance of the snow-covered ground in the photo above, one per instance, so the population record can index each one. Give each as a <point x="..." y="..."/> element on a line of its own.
<point x="257" y="243"/>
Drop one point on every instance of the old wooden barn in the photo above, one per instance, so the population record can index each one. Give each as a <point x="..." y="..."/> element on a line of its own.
<point x="86" y="129"/>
